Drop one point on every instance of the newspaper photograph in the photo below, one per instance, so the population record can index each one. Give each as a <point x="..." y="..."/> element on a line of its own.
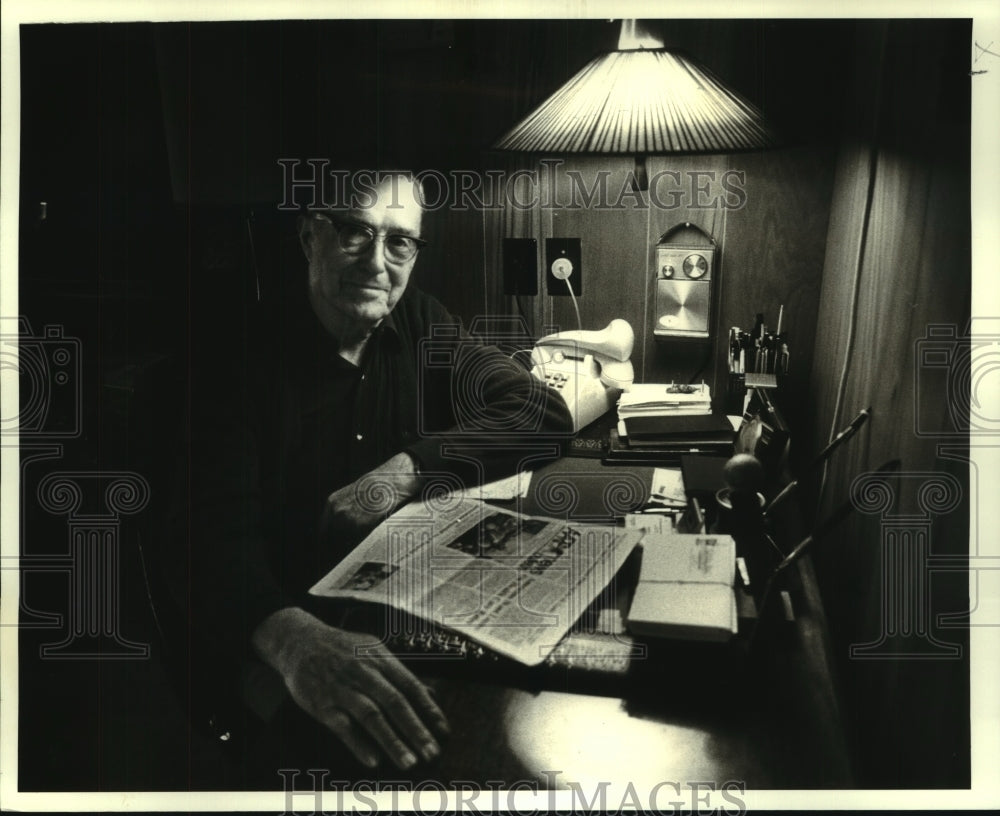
<point x="513" y="583"/>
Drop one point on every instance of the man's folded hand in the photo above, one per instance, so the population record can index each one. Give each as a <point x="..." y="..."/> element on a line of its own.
<point x="354" y="686"/>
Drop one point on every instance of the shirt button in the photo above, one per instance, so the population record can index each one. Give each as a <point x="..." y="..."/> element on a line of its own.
<point x="360" y="437"/>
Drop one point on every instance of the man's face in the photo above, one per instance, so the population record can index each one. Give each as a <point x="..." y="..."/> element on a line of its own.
<point x="361" y="289"/>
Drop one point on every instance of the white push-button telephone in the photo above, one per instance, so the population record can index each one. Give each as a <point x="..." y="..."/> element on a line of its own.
<point x="589" y="369"/>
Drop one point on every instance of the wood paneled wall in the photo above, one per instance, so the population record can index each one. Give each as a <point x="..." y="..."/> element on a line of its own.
<point x="866" y="243"/>
<point x="859" y="225"/>
<point x="771" y="236"/>
<point x="897" y="263"/>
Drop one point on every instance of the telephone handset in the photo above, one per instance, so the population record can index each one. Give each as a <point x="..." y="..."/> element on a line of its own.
<point x="587" y="368"/>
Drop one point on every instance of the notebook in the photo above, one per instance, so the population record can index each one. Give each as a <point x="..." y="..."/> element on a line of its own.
<point x="685" y="589"/>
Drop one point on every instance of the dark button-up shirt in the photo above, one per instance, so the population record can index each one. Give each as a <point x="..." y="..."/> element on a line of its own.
<point x="295" y="421"/>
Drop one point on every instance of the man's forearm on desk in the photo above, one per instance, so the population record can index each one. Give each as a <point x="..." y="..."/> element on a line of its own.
<point x="357" y="508"/>
<point x="502" y="420"/>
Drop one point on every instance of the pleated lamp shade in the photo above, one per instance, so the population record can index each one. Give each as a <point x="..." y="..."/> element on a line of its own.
<point x="641" y="102"/>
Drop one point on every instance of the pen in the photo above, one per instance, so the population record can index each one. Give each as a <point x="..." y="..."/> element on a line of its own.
<point x="734" y="348"/>
<point x="741" y="565"/>
<point x="699" y="517"/>
<point x="783" y="359"/>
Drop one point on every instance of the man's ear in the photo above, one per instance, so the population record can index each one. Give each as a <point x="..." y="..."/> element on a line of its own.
<point x="307" y="234"/>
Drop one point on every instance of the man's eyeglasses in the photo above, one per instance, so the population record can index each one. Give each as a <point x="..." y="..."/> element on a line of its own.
<point x="355" y="239"/>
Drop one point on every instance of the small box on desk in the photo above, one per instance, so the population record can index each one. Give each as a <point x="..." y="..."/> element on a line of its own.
<point x="703" y="476"/>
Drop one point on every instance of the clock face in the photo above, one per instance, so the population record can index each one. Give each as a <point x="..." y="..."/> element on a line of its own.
<point x="695" y="266"/>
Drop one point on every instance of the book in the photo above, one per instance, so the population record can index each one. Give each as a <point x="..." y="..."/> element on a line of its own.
<point x="704" y="429"/>
<point x="685" y="589"/>
<point x="620" y="452"/>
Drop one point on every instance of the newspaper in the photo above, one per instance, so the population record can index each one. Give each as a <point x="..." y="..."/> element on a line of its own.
<point x="513" y="583"/>
<point x="507" y="489"/>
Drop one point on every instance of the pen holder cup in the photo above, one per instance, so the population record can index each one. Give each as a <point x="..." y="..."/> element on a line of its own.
<point x="732" y="520"/>
<point x="740" y="514"/>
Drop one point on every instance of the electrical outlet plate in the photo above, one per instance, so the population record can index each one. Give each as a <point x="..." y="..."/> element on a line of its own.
<point x="520" y="266"/>
<point x="568" y="248"/>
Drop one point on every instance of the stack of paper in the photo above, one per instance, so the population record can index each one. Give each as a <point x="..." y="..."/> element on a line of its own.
<point x="685" y="588"/>
<point x="660" y="399"/>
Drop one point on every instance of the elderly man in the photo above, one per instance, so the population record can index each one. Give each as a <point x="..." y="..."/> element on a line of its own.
<point x="333" y="399"/>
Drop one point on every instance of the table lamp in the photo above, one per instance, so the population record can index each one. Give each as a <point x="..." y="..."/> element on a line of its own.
<point x="641" y="99"/>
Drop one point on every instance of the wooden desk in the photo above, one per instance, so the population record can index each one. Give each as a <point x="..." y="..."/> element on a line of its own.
<point x="769" y="720"/>
<point x="768" y="717"/>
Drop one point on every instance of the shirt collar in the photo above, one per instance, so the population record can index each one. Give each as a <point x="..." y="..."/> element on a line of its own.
<point x="321" y="340"/>
<point x="389" y="324"/>
<point x="304" y="323"/>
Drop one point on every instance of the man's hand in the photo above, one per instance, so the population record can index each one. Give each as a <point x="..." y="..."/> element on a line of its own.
<point x="356" y="509"/>
<point x="353" y="686"/>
